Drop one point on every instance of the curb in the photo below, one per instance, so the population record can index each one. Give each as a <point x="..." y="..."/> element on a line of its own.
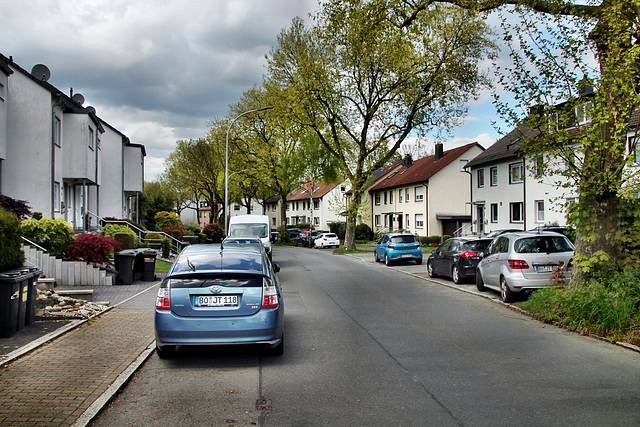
<point x="625" y="345"/>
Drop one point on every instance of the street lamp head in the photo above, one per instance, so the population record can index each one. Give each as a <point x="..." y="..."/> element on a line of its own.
<point x="265" y="108"/>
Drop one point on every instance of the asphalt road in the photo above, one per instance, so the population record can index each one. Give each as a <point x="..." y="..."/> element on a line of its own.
<point x="368" y="345"/>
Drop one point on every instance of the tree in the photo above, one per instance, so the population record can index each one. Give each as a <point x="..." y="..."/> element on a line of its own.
<point x="597" y="154"/>
<point x="156" y="198"/>
<point x="363" y="85"/>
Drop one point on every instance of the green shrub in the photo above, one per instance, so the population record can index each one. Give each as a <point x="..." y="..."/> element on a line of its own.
<point x="126" y="240"/>
<point x="425" y="241"/>
<point x="445" y="237"/>
<point x="153" y="240"/>
<point x="11" y="255"/>
<point x="339" y="228"/>
<point x="214" y="232"/>
<point x="202" y="238"/>
<point x="434" y="240"/>
<point x="193" y="229"/>
<point x="55" y="235"/>
<point x="607" y="307"/>
<point x="177" y="234"/>
<point x="37" y="215"/>
<point x="165" y="219"/>
<point x="110" y="230"/>
<point x="302" y="226"/>
<point x="166" y="248"/>
<point x="363" y="232"/>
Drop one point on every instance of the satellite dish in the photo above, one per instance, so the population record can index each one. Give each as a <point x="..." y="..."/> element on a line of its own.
<point x="91" y="109"/>
<point x="41" y="72"/>
<point x="78" y="98"/>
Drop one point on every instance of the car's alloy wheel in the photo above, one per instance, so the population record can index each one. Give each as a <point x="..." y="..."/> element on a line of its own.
<point x="455" y="275"/>
<point x="387" y="261"/>
<point x="430" y="270"/>
<point x="479" y="281"/>
<point x="507" y="294"/>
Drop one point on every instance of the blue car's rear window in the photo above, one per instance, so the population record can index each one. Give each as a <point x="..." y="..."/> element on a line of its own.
<point x="403" y="239"/>
<point x="204" y="281"/>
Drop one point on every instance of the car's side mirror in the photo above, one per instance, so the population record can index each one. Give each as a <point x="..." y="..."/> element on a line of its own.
<point x="276" y="268"/>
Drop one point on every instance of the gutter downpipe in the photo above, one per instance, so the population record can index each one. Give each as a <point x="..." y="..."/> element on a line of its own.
<point x="426" y="207"/>
<point x="57" y="103"/>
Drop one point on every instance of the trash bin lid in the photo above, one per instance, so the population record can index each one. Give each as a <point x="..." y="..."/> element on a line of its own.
<point x="127" y="253"/>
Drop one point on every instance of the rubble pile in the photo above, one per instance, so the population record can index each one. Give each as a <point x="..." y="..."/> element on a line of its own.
<point x="51" y="305"/>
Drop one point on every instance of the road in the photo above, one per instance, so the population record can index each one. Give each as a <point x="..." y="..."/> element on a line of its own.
<point x="368" y="345"/>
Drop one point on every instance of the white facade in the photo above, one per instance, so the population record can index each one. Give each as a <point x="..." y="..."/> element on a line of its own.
<point x="58" y="156"/>
<point x="328" y="203"/>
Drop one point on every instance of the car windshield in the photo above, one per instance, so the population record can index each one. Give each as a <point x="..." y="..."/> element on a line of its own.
<point x="477" y="245"/>
<point x="403" y="239"/>
<point x="229" y="281"/>
<point x="245" y="230"/>
<point x="193" y="263"/>
<point x="542" y="244"/>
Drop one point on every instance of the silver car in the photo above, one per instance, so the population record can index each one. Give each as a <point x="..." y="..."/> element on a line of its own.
<point x="525" y="260"/>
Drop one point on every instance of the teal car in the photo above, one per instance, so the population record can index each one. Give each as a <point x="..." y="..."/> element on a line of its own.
<point x="395" y="247"/>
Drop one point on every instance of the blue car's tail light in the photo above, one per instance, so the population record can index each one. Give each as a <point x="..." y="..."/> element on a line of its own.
<point x="269" y="294"/>
<point x="163" y="301"/>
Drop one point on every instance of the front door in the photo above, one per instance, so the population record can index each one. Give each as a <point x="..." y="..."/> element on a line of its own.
<point x="480" y="219"/>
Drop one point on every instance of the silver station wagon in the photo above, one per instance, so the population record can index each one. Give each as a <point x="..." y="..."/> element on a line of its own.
<point x="521" y="261"/>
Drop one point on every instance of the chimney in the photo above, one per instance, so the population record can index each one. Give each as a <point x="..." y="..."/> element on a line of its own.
<point x="407" y="161"/>
<point x="439" y="151"/>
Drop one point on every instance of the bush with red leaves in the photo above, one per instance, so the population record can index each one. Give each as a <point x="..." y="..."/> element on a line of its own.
<point x="92" y="248"/>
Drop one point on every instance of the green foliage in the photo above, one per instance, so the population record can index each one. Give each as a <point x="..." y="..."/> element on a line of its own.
<point x="110" y="230"/>
<point x="156" y="198"/>
<point x="339" y="228"/>
<point x="434" y="240"/>
<point x="126" y="240"/>
<point x="608" y="307"/>
<point x="425" y="240"/>
<point x="177" y="234"/>
<point x="303" y="226"/>
<point x="446" y="237"/>
<point x="193" y="229"/>
<point x="166" y="248"/>
<point x="363" y="232"/>
<point x="165" y="219"/>
<point x="202" y="238"/>
<point x="11" y="255"/>
<point x="37" y="215"/>
<point x="55" y="235"/>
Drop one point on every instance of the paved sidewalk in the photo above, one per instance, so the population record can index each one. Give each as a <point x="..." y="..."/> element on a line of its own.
<point x="67" y="380"/>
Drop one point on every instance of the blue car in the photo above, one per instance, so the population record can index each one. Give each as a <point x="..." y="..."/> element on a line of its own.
<point x="394" y="247"/>
<point x="220" y="295"/>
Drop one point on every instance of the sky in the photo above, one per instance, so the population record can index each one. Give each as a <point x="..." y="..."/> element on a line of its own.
<point x="160" y="70"/>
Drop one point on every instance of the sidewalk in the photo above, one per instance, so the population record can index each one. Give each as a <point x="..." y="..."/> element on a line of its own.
<point x="67" y="380"/>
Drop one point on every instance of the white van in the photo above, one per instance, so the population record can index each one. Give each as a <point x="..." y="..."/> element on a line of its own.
<point x="252" y="226"/>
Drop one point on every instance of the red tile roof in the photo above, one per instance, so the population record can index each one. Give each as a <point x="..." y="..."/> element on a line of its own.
<point x="303" y="193"/>
<point x="422" y="169"/>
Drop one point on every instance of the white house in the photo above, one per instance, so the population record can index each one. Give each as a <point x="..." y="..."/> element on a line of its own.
<point x="428" y="196"/>
<point x="58" y="155"/>
<point x="318" y="206"/>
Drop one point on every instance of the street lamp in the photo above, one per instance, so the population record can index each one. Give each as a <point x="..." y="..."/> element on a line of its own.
<point x="226" y="167"/>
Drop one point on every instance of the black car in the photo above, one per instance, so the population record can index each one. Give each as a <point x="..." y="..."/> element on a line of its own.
<point x="302" y="239"/>
<point x="293" y="233"/>
<point x="457" y="258"/>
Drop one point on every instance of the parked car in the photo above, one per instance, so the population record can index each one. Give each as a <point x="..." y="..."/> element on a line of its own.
<point x="293" y="233"/>
<point x="314" y="235"/>
<point x="327" y="240"/>
<point x="457" y="258"/>
<point x="394" y="247"/>
<point x="496" y="233"/>
<point x="522" y="261"/>
<point x="302" y="239"/>
<point x="570" y="232"/>
<point x="220" y="295"/>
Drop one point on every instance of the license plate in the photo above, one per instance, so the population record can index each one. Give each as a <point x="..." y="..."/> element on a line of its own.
<point x="407" y="256"/>
<point x="545" y="268"/>
<point x="217" y="301"/>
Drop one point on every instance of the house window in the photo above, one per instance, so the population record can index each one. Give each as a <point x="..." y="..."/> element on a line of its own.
<point x="316" y="204"/>
<point x="376" y="220"/>
<point x="516" y="211"/>
<point x="493" y="176"/>
<point x="463" y="164"/>
<point x="583" y="113"/>
<point x="419" y="220"/>
<point x="419" y="195"/>
<point x="407" y="221"/>
<point x="297" y="206"/>
<point x="494" y="212"/>
<point x="634" y="153"/>
<point x="516" y="173"/>
<point x="57" y="127"/>
<point x="480" y="178"/>
<point x="377" y="199"/>
<point x="236" y="207"/>
<point x="391" y="197"/>
<point x="406" y="195"/>
<point x="386" y="220"/>
<point x="386" y="197"/>
<point x="539" y="204"/>
<point x="204" y="204"/>
<point x="91" y="138"/>
<point x="56" y="196"/>
<point x="3" y="92"/>
<point x="400" y="195"/>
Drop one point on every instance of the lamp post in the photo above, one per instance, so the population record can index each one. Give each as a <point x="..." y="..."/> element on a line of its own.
<point x="226" y="167"/>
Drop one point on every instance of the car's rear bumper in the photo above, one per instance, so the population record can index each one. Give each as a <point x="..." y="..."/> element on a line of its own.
<point x="405" y="255"/>
<point x="265" y="327"/>
<point x="517" y="282"/>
